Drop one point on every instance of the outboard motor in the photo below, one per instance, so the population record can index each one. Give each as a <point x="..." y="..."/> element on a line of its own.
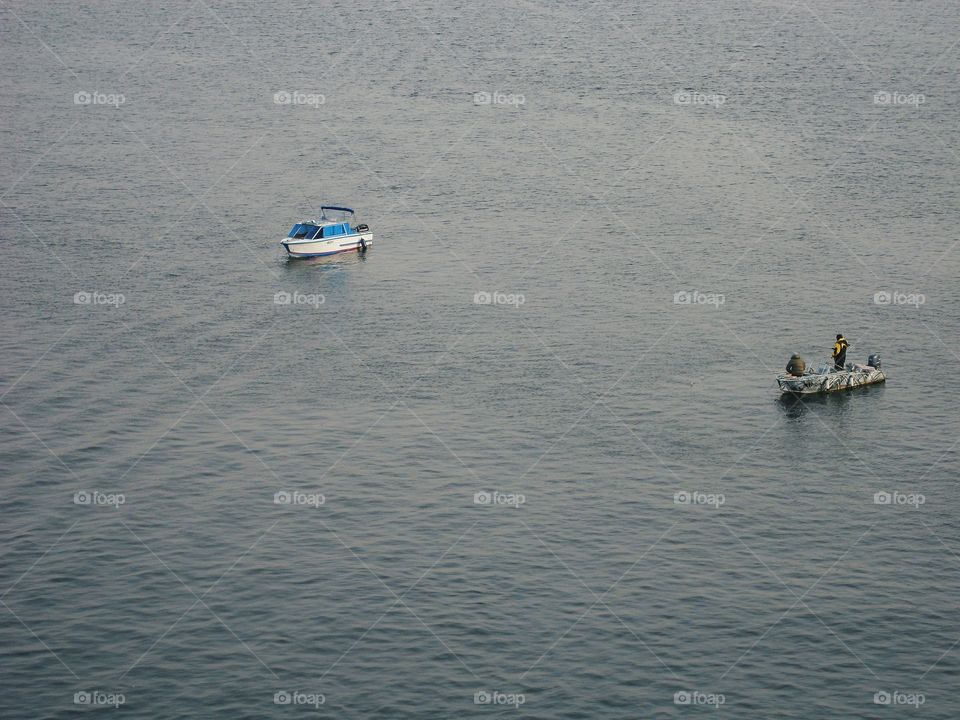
<point x="874" y="361"/>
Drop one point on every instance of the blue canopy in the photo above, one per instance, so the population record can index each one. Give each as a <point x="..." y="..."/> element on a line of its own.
<point x="335" y="207"/>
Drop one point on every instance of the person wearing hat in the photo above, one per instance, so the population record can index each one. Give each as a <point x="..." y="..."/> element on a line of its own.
<point x="840" y="352"/>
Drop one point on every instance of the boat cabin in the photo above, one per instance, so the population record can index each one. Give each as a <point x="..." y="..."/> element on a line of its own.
<point x="312" y="231"/>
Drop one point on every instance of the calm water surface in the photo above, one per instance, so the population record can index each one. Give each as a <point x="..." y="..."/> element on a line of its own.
<point x="743" y="153"/>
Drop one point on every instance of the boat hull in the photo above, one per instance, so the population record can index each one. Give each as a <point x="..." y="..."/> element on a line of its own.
<point x="829" y="382"/>
<point x="329" y="246"/>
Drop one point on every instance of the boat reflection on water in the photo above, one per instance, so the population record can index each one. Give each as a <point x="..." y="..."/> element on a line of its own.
<point x="795" y="407"/>
<point x="329" y="260"/>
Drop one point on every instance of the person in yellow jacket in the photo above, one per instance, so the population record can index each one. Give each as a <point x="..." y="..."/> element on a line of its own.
<point x="840" y="352"/>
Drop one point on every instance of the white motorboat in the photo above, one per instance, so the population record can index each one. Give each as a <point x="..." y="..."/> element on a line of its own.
<point x="332" y="233"/>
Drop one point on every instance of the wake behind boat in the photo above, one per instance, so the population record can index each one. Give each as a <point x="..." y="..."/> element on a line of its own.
<point x="328" y="235"/>
<point x="827" y="378"/>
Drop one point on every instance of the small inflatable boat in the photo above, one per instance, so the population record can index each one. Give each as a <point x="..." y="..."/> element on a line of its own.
<point x="825" y="379"/>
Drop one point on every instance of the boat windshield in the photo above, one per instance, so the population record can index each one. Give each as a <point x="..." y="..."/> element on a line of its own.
<point x="303" y="230"/>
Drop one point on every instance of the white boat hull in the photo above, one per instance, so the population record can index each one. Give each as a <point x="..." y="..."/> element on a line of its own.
<point x="327" y="246"/>
<point x="833" y="381"/>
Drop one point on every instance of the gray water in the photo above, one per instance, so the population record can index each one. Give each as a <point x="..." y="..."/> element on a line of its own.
<point x="777" y="189"/>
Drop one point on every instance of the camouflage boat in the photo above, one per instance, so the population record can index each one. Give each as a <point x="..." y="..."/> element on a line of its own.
<point x="827" y="378"/>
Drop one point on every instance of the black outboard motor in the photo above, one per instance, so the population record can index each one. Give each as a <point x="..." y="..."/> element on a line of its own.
<point x="874" y="361"/>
